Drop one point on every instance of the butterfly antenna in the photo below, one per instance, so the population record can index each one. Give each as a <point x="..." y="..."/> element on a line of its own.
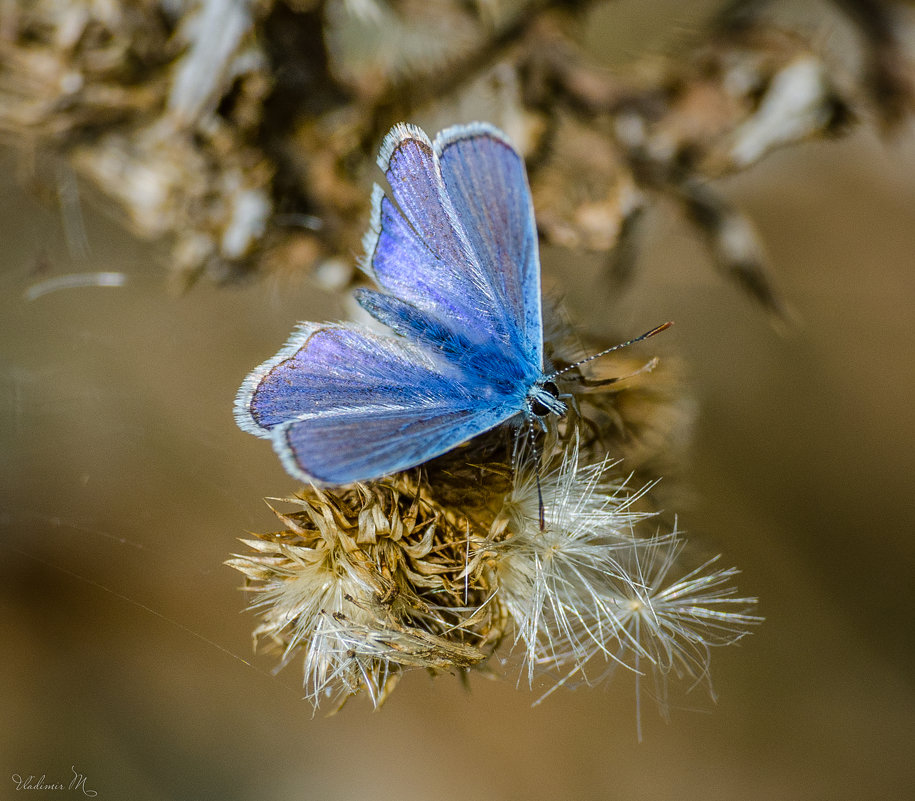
<point x="536" y="456"/>
<point x="646" y="335"/>
<point x="540" y="505"/>
<point x="467" y="567"/>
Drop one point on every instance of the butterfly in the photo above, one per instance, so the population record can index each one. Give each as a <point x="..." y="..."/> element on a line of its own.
<point x="454" y="254"/>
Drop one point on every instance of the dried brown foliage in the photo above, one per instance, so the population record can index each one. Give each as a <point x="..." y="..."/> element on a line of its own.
<point x="243" y="133"/>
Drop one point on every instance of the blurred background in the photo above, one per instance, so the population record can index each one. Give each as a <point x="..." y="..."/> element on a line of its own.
<point x="124" y="485"/>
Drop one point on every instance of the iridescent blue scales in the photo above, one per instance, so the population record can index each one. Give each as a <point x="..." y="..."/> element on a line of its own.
<point x="455" y="257"/>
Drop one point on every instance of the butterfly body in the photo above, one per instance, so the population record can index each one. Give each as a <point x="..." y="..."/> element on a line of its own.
<point x="489" y="368"/>
<point x="455" y="257"/>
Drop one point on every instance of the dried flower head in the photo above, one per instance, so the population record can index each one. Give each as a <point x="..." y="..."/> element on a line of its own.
<point x="433" y="568"/>
<point x="588" y="585"/>
<point x="366" y="582"/>
<point x="634" y="407"/>
<point x="548" y="575"/>
<point x="668" y="618"/>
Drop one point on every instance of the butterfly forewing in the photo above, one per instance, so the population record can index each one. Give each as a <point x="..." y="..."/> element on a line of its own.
<point x="486" y="182"/>
<point x="404" y="266"/>
<point x="421" y="251"/>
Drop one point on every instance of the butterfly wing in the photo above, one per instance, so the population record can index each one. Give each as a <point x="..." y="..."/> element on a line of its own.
<point x="342" y="404"/>
<point x="486" y="181"/>
<point x="460" y="243"/>
<point x="358" y="447"/>
<point x="457" y="258"/>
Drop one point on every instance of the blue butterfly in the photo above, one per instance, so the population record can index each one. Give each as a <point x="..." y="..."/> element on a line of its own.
<point x="455" y="256"/>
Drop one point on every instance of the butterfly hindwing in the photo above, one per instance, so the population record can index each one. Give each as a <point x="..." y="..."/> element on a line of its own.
<point x="322" y="448"/>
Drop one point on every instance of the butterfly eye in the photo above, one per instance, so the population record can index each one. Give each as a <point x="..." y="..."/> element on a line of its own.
<point x="540" y="404"/>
